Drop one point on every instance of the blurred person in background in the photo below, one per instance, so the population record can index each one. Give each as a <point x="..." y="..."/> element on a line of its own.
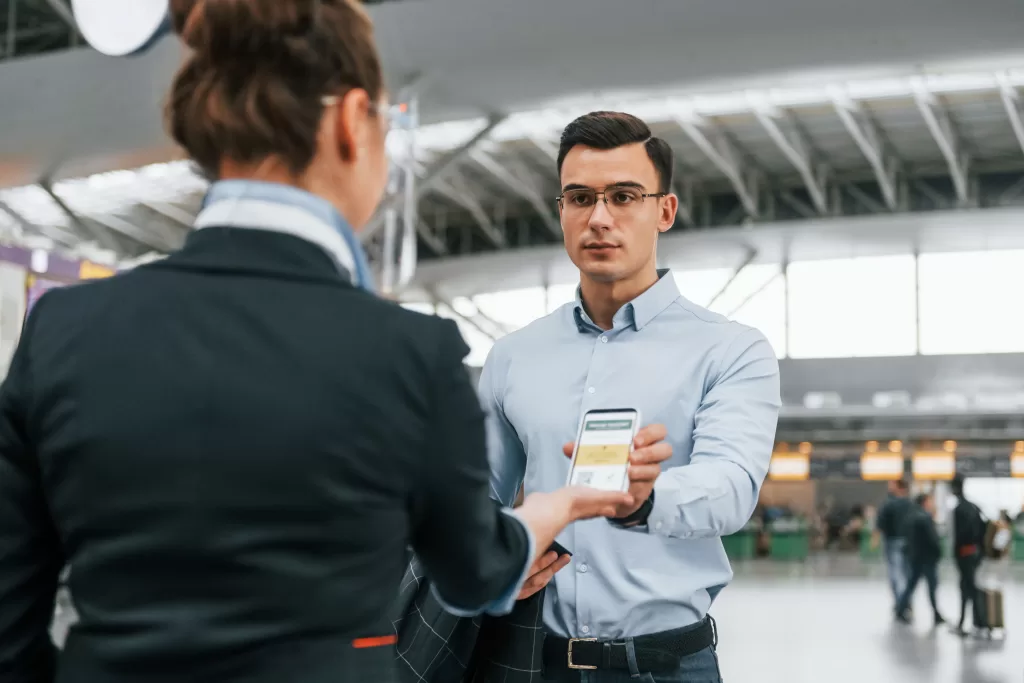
<point x="634" y="601"/>
<point x="890" y="527"/>
<point x="924" y="550"/>
<point x="235" y="447"/>
<point x="969" y="527"/>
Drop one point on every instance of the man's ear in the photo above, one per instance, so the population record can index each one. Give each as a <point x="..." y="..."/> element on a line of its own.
<point x="669" y="206"/>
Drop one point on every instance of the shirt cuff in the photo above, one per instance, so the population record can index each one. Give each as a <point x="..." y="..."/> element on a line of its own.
<point x="507" y="602"/>
<point x="659" y="522"/>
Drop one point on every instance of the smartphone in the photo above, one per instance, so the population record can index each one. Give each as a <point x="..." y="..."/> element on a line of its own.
<point x="603" y="445"/>
<point x="560" y="549"/>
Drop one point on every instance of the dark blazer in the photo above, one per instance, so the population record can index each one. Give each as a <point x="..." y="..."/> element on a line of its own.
<point x="437" y="647"/>
<point x="234" y="450"/>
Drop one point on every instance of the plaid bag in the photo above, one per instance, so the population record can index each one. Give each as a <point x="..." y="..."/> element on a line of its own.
<point x="437" y="647"/>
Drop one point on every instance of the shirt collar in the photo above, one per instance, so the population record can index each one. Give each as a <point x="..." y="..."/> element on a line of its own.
<point x="281" y="208"/>
<point x="638" y="312"/>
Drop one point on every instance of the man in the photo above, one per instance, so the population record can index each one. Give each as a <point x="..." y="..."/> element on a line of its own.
<point x="923" y="553"/>
<point x="634" y="600"/>
<point x="890" y="527"/>
<point x="969" y="528"/>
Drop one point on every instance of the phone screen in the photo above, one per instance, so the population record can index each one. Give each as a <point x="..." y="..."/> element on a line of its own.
<point x="602" y="450"/>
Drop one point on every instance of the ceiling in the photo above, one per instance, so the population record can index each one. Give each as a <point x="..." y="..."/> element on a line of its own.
<point x="76" y="112"/>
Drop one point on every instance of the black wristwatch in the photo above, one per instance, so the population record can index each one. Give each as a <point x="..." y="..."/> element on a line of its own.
<point x="638" y="518"/>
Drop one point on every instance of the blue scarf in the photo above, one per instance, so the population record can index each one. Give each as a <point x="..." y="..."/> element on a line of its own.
<point x="287" y="209"/>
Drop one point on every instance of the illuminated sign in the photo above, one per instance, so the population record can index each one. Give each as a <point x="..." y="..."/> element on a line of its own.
<point x="934" y="465"/>
<point x="789" y="467"/>
<point x="881" y="466"/>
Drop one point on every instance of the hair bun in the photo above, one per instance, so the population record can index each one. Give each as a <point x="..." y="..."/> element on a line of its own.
<point x="234" y="30"/>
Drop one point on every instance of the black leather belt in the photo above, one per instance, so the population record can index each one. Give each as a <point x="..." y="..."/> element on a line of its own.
<point x="655" y="653"/>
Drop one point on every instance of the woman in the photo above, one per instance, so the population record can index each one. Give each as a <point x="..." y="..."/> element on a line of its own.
<point x="234" y="448"/>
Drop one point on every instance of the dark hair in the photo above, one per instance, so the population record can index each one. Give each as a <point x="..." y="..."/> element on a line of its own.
<point x="902" y="484"/>
<point x="922" y="498"/>
<point x="957" y="485"/>
<point x="254" y="84"/>
<point x="611" y="129"/>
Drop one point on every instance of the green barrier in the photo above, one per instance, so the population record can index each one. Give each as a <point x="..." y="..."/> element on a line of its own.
<point x="790" y="541"/>
<point x="741" y="545"/>
<point x="866" y="551"/>
<point x="1018" y="547"/>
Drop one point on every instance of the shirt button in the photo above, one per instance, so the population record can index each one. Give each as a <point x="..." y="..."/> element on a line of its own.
<point x="604" y="339"/>
<point x="583" y="568"/>
<point x="591" y="390"/>
<point x="584" y="629"/>
<point x="657" y="525"/>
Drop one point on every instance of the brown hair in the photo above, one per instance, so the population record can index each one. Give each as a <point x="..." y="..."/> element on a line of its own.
<point x="253" y="86"/>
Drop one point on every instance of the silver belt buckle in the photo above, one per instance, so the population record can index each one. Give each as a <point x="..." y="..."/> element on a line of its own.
<point x="573" y="665"/>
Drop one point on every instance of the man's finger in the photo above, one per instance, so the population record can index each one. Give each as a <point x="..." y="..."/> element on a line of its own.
<point x="651" y="455"/>
<point x="650" y="434"/>
<point x="643" y="473"/>
<point x="568" y="449"/>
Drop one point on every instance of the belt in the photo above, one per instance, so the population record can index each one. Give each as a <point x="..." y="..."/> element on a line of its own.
<point x="967" y="550"/>
<point x="654" y="653"/>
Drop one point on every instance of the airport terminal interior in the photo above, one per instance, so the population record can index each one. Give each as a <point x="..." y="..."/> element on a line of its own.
<point x="851" y="183"/>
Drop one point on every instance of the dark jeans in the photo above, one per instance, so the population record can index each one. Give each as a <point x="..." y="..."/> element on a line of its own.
<point x="896" y="564"/>
<point x="701" y="667"/>
<point x="929" y="571"/>
<point x="968" y="570"/>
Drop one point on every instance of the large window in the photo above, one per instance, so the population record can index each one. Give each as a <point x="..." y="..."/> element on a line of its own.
<point x="970" y="302"/>
<point x="852" y="307"/>
<point x="837" y="308"/>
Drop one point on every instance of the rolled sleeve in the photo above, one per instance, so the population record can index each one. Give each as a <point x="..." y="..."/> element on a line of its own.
<point x="734" y="431"/>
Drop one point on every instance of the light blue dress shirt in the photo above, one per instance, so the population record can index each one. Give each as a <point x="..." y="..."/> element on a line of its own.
<point x="712" y="382"/>
<point x="255" y="205"/>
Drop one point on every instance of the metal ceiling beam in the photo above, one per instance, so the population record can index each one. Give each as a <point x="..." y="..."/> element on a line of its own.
<point x="524" y="189"/>
<point x="1014" y="107"/>
<point x="796" y="147"/>
<point x="103" y="237"/>
<point x="717" y="147"/>
<point x="430" y="237"/>
<point x="480" y="326"/>
<point x="941" y="127"/>
<point x="135" y="233"/>
<point x="50" y="232"/>
<point x="751" y="255"/>
<point x="171" y="212"/>
<point x="547" y="147"/>
<point x="683" y="188"/>
<point x="462" y="196"/>
<point x="750" y="297"/>
<point x="64" y="12"/>
<point x="866" y="134"/>
<point x="434" y="175"/>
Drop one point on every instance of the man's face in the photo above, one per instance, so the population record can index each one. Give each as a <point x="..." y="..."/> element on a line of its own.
<point x="929" y="505"/>
<point x="615" y="239"/>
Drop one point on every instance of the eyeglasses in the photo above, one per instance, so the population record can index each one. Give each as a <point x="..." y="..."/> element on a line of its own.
<point x="620" y="199"/>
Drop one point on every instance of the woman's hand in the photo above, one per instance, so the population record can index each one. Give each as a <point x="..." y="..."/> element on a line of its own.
<point x="547" y="514"/>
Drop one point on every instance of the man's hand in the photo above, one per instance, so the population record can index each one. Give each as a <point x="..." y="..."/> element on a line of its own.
<point x="649" y="451"/>
<point x="542" y="571"/>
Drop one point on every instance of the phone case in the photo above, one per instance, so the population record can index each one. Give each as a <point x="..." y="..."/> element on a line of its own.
<point x="579" y="436"/>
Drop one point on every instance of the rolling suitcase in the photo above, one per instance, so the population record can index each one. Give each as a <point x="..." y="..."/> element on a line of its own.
<point x="988" y="609"/>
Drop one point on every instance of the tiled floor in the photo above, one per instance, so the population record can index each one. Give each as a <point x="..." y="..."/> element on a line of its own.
<point x="829" y="621"/>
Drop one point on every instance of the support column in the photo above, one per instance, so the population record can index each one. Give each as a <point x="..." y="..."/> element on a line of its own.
<point x="785" y="307"/>
<point x="917" y="303"/>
